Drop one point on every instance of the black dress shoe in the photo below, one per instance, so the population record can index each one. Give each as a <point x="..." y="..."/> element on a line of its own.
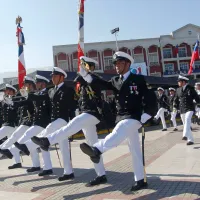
<point x="33" y="169"/>
<point x="46" y="172"/>
<point x="184" y="138"/>
<point x="66" y="177"/>
<point x="97" y="181"/>
<point x="23" y="148"/>
<point x="190" y="143"/>
<point x="15" y="166"/>
<point x="93" y="152"/>
<point x="43" y="142"/>
<point x="139" y="185"/>
<point x="6" y="153"/>
<point x="175" y="129"/>
<point x="164" y="129"/>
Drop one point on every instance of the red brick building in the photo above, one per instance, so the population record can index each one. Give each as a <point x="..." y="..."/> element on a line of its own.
<point x="159" y="53"/>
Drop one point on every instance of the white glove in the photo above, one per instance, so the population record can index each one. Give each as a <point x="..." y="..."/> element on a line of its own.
<point x="197" y="109"/>
<point x="87" y="77"/>
<point x="8" y="101"/>
<point x="145" y="117"/>
<point x="23" y="92"/>
<point x="82" y="72"/>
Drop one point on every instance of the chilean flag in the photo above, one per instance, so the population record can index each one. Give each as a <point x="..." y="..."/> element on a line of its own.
<point x="21" y="62"/>
<point x="195" y="56"/>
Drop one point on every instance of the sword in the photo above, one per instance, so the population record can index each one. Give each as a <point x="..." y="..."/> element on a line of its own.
<point x="58" y="156"/>
<point x="143" y="157"/>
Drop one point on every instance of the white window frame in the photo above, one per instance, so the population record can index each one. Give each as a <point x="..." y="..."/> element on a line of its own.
<point x="63" y="64"/>
<point x="153" y="63"/>
<point x="185" y="52"/>
<point x="140" y="61"/>
<point x="184" y="63"/>
<point x="169" y="64"/>
<point x="75" y="65"/>
<point x="196" y="63"/>
<point x="110" y="66"/>
<point x="170" y="53"/>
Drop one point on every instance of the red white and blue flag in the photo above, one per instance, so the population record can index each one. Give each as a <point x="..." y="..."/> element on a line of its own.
<point x="81" y="31"/>
<point x="21" y="61"/>
<point x="195" y="56"/>
<point x="80" y="35"/>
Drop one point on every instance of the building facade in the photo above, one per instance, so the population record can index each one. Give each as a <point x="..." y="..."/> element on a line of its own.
<point x="167" y="55"/>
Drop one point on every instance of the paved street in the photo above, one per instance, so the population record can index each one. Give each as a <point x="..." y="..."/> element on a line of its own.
<point x="173" y="171"/>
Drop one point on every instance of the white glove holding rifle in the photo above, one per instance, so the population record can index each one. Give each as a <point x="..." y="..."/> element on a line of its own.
<point x="145" y="117"/>
<point x="87" y="77"/>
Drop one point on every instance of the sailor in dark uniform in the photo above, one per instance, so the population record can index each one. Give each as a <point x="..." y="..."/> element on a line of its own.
<point x="9" y="114"/>
<point x="173" y="111"/>
<point x="25" y="121"/>
<point x="63" y="109"/>
<point x="90" y="106"/>
<point x="131" y="96"/>
<point x="40" y="117"/>
<point x="162" y="107"/>
<point x="185" y="95"/>
<point x="197" y="88"/>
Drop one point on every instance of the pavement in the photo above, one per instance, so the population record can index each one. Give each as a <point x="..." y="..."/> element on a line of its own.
<point x="173" y="172"/>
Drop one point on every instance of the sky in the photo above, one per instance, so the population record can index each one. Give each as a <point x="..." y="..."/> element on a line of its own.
<point x="55" y="22"/>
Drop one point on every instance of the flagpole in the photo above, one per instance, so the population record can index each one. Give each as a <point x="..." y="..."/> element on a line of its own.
<point x="80" y="31"/>
<point x="178" y="61"/>
<point x="21" y="61"/>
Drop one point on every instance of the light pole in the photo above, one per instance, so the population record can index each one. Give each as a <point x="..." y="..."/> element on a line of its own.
<point x="115" y="31"/>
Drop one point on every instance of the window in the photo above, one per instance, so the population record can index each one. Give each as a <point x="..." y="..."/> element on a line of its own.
<point x="153" y="59"/>
<point x="184" y="66"/>
<point x="167" y="53"/>
<point x="108" y="62"/>
<point x="138" y="58"/>
<point x="75" y="65"/>
<point x="63" y="64"/>
<point x="182" y="52"/>
<point x="169" y="67"/>
<point x="197" y="65"/>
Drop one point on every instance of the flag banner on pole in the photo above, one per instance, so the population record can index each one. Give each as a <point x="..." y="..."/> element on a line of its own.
<point x="80" y="35"/>
<point x="21" y="61"/>
<point x="195" y="56"/>
<point x="81" y="31"/>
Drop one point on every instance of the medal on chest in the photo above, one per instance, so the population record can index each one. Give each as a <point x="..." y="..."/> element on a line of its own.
<point x="133" y="89"/>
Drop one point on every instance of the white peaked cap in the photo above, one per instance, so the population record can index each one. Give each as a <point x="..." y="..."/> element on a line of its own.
<point x="86" y="59"/>
<point x="180" y="77"/>
<point x="120" y="54"/>
<point x="160" y="88"/>
<point x="28" y="78"/>
<point x="172" y="89"/>
<point x="59" y="70"/>
<point x="11" y="87"/>
<point x="38" y="77"/>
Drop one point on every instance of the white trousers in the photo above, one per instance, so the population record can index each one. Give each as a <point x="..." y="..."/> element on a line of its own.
<point x="64" y="145"/>
<point x="8" y="144"/>
<point x="186" y="119"/>
<point x="160" y="114"/>
<point x="16" y="154"/>
<point x="6" y="131"/>
<point x="29" y="133"/>
<point x="125" y="129"/>
<point x="87" y="123"/>
<point x="14" y="137"/>
<point x="173" y="118"/>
